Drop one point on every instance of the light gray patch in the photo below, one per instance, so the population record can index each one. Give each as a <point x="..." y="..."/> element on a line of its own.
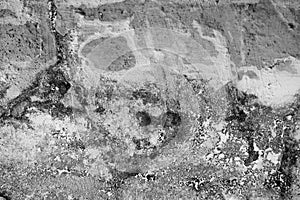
<point x="251" y="74"/>
<point x="240" y="75"/>
<point x="156" y="18"/>
<point x="210" y="47"/>
<point x="139" y="37"/>
<point x="286" y="66"/>
<point x="207" y="31"/>
<point x="91" y="45"/>
<point x="206" y="44"/>
<point x="124" y="62"/>
<point x="117" y="41"/>
<point x="233" y="70"/>
<point x="185" y="61"/>
<point x="109" y="50"/>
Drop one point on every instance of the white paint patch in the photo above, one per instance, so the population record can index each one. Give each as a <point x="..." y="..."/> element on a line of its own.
<point x="273" y="157"/>
<point x="89" y="3"/>
<point x="273" y="87"/>
<point x="13" y="92"/>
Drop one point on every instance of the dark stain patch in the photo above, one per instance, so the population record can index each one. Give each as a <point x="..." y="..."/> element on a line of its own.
<point x="252" y="155"/>
<point x="3" y="90"/>
<point x="204" y="188"/>
<point x="7" y="13"/>
<point x="291" y="25"/>
<point x="171" y="119"/>
<point x="126" y="175"/>
<point x="250" y="121"/>
<point x="238" y="97"/>
<point x="105" y="94"/>
<point x="143" y="118"/>
<point x="119" y="178"/>
<point x="5" y="195"/>
<point x="51" y="86"/>
<point x="282" y="180"/>
<point x="100" y="109"/>
<point x="146" y="96"/>
<point x="245" y="119"/>
<point x="55" y="109"/>
<point x="108" y="12"/>
<point x="229" y="182"/>
<point x="52" y="83"/>
<point x="77" y="144"/>
<point x="236" y="113"/>
<point x="141" y="143"/>
<point x="61" y="41"/>
<point x="16" y="108"/>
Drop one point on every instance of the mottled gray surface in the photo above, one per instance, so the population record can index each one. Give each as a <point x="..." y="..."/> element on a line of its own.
<point x="73" y="127"/>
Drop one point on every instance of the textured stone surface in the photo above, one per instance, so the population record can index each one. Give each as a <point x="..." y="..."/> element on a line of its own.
<point x="139" y="99"/>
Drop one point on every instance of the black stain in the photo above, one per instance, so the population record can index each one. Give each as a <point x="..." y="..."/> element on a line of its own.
<point x="252" y="155"/>
<point x="171" y="119"/>
<point x="100" y="109"/>
<point x="146" y="96"/>
<point x="141" y="143"/>
<point x="55" y="109"/>
<point x="291" y="25"/>
<point x="5" y="195"/>
<point x="52" y="81"/>
<point x="143" y="118"/>
<point x="282" y="180"/>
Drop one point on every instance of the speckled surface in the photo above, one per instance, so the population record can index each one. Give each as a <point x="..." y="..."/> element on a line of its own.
<point x="139" y="99"/>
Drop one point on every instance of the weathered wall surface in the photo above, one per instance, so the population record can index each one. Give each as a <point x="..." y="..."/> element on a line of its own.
<point x="139" y="99"/>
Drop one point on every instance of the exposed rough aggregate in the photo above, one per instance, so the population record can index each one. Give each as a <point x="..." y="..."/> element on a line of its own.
<point x="141" y="99"/>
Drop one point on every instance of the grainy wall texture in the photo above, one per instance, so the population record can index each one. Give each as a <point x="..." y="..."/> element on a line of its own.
<point x="149" y="99"/>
